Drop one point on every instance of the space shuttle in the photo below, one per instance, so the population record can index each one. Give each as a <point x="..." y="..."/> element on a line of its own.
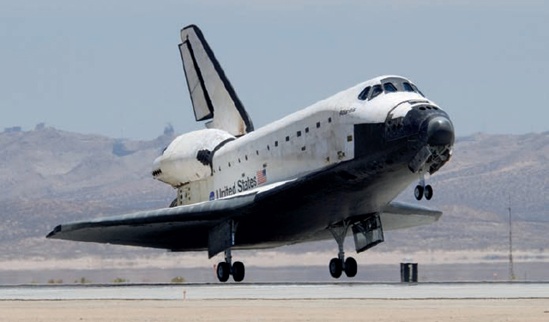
<point x="328" y="171"/>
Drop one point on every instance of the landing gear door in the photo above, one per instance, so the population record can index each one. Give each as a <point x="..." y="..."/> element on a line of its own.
<point x="221" y="238"/>
<point x="367" y="233"/>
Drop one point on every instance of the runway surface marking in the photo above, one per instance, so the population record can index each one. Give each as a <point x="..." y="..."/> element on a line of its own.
<point x="279" y="291"/>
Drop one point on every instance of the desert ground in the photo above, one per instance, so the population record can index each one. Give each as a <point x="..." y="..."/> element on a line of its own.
<point x="277" y="310"/>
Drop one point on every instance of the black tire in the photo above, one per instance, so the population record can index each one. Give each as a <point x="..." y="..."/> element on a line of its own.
<point x="351" y="267"/>
<point x="336" y="267"/>
<point x="418" y="192"/>
<point x="428" y="192"/>
<point x="223" y="271"/>
<point x="238" y="271"/>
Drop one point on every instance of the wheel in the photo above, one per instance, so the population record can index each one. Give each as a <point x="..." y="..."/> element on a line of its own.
<point x="351" y="267"/>
<point x="336" y="267"/>
<point x="223" y="271"/>
<point x="238" y="271"/>
<point x="428" y="192"/>
<point x="418" y="192"/>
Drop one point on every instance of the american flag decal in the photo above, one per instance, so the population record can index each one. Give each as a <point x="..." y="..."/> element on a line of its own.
<point x="261" y="176"/>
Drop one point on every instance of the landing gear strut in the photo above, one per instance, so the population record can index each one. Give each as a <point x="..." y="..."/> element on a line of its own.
<point x="227" y="268"/>
<point x="422" y="190"/>
<point x="340" y="264"/>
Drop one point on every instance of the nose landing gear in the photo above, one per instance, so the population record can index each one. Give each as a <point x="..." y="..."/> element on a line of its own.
<point x="423" y="190"/>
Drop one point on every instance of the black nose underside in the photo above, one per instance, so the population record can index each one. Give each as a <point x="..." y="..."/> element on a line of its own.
<point x="440" y="131"/>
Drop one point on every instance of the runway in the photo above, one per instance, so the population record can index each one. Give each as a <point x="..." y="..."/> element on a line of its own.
<point x="281" y="291"/>
<point x="456" y="302"/>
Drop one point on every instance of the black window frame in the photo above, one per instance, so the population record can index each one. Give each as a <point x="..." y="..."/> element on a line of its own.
<point x="374" y="93"/>
<point x="407" y="87"/>
<point x="364" y="94"/>
<point x="417" y="89"/>
<point x="390" y="85"/>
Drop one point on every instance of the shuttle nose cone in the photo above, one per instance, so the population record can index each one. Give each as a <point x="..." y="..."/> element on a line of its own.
<point x="440" y="131"/>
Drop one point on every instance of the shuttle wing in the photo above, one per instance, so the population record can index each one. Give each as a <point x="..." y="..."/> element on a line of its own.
<point x="212" y="95"/>
<point x="183" y="228"/>
<point x="186" y="228"/>
<point x="399" y="215"/>
<point x="167" y="228"/>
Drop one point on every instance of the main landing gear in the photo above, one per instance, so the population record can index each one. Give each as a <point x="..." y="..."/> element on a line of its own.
<point x="226" y="268"/>
<point x="423" y="190"/>
<point x="220" y="239"/>
<point x="340" y="264"/>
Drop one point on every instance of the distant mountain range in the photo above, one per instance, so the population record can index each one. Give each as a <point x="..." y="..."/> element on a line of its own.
<point x="50" y="176"/>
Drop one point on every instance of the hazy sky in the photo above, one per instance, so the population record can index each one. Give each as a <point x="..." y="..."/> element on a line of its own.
<point x="113" y="67"/>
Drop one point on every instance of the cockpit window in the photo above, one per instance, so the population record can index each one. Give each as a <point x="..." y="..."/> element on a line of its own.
<point x="376" y="90"/>
<point x="389" y="87"/>
<point x="407" y="87"/>
<point x="364" y="94"/>
<point x="417" y="90"/>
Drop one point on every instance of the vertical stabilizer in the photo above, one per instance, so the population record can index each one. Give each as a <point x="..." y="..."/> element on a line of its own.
<point x="212" y="95"/>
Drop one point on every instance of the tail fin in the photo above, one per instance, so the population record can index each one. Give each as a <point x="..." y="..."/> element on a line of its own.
<point x="212" y="94"/>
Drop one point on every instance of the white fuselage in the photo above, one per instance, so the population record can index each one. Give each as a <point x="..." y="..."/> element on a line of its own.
<point x="307" y="141"/>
